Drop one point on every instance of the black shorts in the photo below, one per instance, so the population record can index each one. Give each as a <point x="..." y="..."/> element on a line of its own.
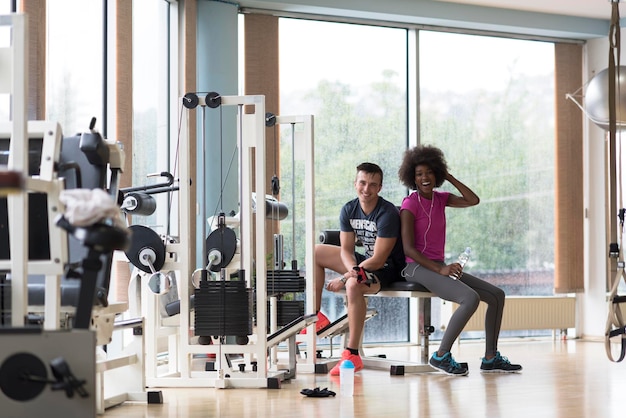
<point x="388" y="274"/>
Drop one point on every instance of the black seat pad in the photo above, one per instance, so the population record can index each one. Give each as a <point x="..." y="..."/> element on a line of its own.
<point x="406" y="286"/>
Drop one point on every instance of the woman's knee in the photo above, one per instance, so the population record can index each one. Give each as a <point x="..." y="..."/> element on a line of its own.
<point x="499" y="295"/>
<point x="471" y="300"/>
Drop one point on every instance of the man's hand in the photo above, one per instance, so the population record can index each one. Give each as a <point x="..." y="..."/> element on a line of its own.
<point x="335" y="285"/>
<point x="339" y="283"/>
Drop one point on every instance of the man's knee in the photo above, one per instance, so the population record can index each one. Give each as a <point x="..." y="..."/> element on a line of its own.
<point x="354" y="288"/>
<point x="326" y="254"/>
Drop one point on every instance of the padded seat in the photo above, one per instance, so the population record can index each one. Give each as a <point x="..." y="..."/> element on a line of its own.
<point x="406" y="286"/>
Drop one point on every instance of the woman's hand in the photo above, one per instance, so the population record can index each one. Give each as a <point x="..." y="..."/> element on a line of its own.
<point x="455" y="270"/>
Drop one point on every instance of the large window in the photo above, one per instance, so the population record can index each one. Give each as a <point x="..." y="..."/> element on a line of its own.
<point x="353" y="79"/>
<point x="150" y="103"/>
<point x="488" y="102"/>
<point x="5" y="42"/>
<point x="74" y="64"/>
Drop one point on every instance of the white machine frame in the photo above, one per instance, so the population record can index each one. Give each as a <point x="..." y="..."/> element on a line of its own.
<point x="178" y="370"/>
<point x="57" y="342"/>
<point x="306" y="152"/>
<point x="48" y="183"/>
<point x="16" y="70"/>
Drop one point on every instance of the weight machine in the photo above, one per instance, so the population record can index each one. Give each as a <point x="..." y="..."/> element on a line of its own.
<point x="38" y="239"/>
<point x="25" y="385"/>
<point x="184" y="363"/>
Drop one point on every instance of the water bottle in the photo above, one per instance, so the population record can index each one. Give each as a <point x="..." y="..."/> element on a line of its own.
<point x="346" y="378"/>
<point x="462" y="260"/>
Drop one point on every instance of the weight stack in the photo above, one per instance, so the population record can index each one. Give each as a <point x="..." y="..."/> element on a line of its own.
<point x="287" y="311"/>
<point x="223" y="308"/>
<point x="285" y="281"/>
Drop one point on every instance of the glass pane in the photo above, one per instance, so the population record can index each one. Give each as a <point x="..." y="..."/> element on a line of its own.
<point x="352" y="78"/>
<point x="74" y="77"/>
<point x="5" y="42"/>
<point x="150" y="117"/>
<point x="488" y="103"/>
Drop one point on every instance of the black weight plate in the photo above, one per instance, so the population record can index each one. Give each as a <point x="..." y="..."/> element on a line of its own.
<point x="225" y="241"/>
<point x="12" y="373"/>
<point x="143" y="237"/>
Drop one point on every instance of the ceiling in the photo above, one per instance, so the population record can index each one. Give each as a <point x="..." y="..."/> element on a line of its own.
<point x="597" y="9"/>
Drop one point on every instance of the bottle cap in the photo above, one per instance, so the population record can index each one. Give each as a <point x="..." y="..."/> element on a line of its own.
<point x="347" y="364"/>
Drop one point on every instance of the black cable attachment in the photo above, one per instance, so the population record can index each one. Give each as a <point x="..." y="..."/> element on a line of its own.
<point x="275" y="185"/>
<point x="65" y="380"/>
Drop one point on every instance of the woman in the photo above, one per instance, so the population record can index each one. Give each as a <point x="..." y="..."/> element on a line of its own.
<point x="423" y="224"/>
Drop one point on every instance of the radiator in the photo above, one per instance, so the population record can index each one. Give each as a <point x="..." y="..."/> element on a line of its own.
<point x="530" y="312"/>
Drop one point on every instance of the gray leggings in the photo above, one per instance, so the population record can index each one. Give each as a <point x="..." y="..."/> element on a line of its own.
<point x="467" y="293"/>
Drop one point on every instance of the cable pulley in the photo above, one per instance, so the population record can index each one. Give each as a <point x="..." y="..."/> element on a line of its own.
<point x="190" y="100"/>
<point x="270" y="119"/>
<point x="213" y="100"/>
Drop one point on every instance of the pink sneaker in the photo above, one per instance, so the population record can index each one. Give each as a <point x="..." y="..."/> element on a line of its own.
<point x="347" y="355"/>
<point x="322" y="322"/>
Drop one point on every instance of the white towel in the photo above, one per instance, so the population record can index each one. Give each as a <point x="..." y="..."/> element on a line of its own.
<point x="84" y="207"/>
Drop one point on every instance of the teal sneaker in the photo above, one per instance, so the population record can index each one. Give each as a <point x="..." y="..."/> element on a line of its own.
<point x="447" y="365"/>
<point x="499" y="364"/>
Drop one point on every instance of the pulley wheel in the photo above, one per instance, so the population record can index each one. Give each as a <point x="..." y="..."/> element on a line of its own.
<point x="190" y="100"/>
<point x="223" y="240"/>
<point x="270" y="119"/>
<point x="213" y="100"/>
<point x="145" y="239"/>
<point x="14" y="373"/>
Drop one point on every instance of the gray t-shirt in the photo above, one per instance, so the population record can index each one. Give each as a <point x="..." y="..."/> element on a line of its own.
<point x="383" y="221"/>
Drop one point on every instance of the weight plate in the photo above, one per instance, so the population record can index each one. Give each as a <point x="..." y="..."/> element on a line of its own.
<point x="225" y="241"/>
<point x="13" y="377"/>
<point x="142" y="238"/>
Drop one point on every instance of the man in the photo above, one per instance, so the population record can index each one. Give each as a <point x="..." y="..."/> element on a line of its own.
<point x="374" y="222"/>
